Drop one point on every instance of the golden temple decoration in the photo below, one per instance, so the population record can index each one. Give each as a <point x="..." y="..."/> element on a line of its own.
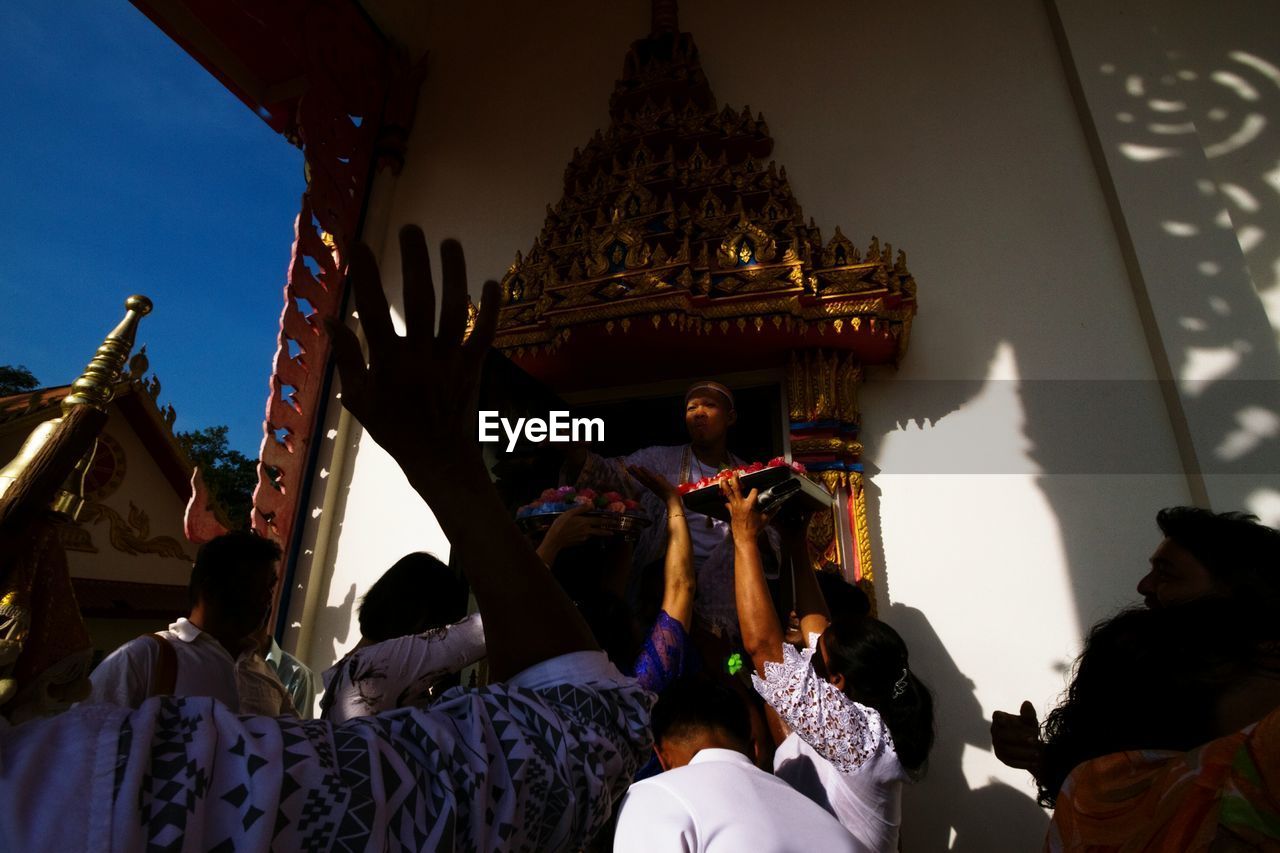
<point x="133" y="536"/>
<point x="675" y="208"/>
<point x="862" y="536"/>
<point x="675" y="211"/>
<point x="95" y="388"/>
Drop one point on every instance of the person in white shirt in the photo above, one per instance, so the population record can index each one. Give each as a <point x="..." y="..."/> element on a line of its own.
<point x="861" y="723"/>
<point x="711" y="796"/>
<point x="404" y="672"/>
<point x="412" y="640"/>
<point x="231" y="587"/>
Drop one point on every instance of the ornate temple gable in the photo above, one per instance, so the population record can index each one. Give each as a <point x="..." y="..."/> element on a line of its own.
<point x="676" y="210"/>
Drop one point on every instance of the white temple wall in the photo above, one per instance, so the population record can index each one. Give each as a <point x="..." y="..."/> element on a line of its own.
<point x="1017" y="457"/>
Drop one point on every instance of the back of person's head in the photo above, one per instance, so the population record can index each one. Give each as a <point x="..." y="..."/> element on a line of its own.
<point x="234" y="577"/>
<point x="844" y="600"/>
<point x="877" y="673"/>
<point x="696" y="710"/>
<point x="416" y="594"/>
<point x="1242" y="554"/>
<point x="1151" y="679"/>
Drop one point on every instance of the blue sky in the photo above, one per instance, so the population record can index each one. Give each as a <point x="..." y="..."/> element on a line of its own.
<point x="127" y="168"/>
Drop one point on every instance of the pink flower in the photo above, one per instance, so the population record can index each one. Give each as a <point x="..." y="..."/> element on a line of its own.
<point x="798" y="468"/>
<point x="583" y="500"/>
<point x="587" y="493"/>
<point x="753" y="467"/>
<point x="630" y="504"/>
<point x="777" y="462"/>
<point x="565" y="493"/>
<point x="617" y="506"/>
<point x="613" y="497"/>
<point x="548" y="495"/>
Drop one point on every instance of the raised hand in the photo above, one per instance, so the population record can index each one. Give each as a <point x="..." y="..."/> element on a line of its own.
<point x="417" y="395"/>
<point x="745" y="518"/>
<point x="417" y="398"/>
<point x="1016" y="738"/>
<point x="571" y="528"/>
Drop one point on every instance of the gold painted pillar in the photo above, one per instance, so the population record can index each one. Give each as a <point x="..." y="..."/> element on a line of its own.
<point x="822" y="399"/>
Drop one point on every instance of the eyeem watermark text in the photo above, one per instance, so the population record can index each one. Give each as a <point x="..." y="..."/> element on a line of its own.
<point x="558" y="427"/>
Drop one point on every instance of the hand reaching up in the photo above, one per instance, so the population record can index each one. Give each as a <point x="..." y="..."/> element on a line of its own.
<point x="1016" y="738"/>
<point x="417" y="395"/>
<point x="572" y="528"/>
<point x="745" y="519"/>
<point x="417" y="398"/>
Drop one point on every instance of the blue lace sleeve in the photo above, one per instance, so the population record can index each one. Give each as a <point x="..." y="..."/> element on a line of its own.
<point x="661" y="660"/>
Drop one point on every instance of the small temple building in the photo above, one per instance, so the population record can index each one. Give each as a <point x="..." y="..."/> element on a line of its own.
<point x="127" y="552"/>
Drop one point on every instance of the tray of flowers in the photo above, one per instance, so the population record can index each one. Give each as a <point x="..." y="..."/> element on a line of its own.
<point x="618" y="512"/>
<point x="776" y="479"/>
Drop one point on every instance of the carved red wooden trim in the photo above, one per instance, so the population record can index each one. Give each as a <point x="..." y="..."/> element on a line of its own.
<point x="356" y="111"/>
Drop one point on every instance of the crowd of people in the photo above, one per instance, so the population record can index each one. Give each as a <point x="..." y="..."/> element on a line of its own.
<point x="698" y="687"/>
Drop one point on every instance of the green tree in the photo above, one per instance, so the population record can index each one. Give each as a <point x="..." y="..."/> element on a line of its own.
<point x="15" y="379"/>
<point x="230" y="475"/>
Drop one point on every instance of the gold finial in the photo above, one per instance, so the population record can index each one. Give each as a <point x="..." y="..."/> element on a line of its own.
<point x="93" y="390"/>
<point x="96" y="386"/>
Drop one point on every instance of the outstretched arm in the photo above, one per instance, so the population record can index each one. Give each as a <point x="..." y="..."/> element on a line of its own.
<point x="416" y="397"/>
<point x="762" y="633"/>
<point x="811" y="605"/>
<point x="679" y="583"/>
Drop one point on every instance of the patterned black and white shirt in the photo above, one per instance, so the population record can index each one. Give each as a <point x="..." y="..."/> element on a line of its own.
<point x="537" y="763"/>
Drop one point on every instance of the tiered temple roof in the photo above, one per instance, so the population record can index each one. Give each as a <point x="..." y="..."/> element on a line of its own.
<point x="677" y="230"/>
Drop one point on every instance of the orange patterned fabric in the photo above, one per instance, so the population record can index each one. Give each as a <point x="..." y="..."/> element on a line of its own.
<point x="1226" y="791"/>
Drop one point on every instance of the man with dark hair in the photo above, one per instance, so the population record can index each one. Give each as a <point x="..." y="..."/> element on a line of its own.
<point x="712" y="797"/>
<point x="709" y="412"/>
<point x="231" y="587"/>
<point x="1204" y="554"/>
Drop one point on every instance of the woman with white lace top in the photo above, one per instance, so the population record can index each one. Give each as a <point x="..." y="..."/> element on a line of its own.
<point x="860" y="722"/>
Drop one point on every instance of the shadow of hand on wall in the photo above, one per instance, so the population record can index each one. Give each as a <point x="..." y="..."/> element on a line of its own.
<point x="943" y="811"/>
<point x="333" y="628"/>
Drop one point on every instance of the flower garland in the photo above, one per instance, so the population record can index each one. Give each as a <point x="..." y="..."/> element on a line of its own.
<point x="776" y="462"/>
<point x="566" y="498"/>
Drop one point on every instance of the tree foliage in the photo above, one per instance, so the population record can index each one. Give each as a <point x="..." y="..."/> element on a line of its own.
<point x="15" y="379"/>
<point x="230" y="475"/>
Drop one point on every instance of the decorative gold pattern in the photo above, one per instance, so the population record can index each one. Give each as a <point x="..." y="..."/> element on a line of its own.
<point x="134" y="536"/>
<point x="675" y="209"/>
<point x="862" y="536"/>
<point x="822" y="392"/>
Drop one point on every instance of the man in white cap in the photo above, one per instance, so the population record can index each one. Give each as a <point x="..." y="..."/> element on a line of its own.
<point x="709" y="412"/>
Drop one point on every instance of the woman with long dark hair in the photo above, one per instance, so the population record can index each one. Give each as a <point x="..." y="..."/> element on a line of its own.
<point x="861" y="722"/>
<point x="1168" y="737"/>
